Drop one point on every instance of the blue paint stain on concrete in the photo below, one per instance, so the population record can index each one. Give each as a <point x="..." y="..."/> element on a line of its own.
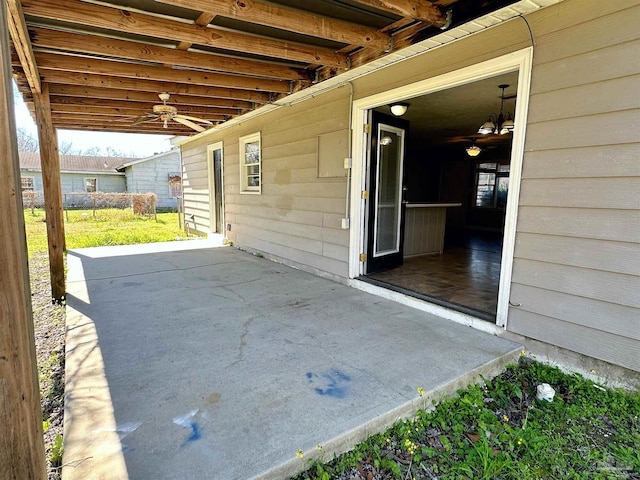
<point x="335" y="384"/>
<point x="196" y="433"/>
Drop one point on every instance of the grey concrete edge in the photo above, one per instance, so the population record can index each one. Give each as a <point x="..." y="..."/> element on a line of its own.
<point x="348" y="440"/>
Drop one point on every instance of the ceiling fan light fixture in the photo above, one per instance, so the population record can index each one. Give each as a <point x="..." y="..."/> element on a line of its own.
<point x="499" y="124"/>
<point x="399" y="108"/>
<point x="474" y="150"/>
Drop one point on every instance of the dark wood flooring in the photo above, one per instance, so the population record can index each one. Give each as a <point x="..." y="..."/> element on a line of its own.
<point x="465" y="276"/>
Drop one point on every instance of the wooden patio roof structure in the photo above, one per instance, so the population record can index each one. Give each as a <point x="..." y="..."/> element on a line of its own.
<point x="105" y="62"/>
<point x="99" y="65"/>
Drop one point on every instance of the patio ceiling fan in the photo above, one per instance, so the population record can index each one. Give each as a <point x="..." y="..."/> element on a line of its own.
<point x="166" y="113"/>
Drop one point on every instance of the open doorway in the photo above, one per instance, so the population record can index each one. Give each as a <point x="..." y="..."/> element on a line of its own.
<point x="216" y="187"/>
<point x="446" y="205"/>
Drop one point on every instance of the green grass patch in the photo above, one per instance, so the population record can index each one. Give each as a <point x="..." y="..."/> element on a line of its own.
<point x="499" y="430"/>
<point x="107" y="227"/>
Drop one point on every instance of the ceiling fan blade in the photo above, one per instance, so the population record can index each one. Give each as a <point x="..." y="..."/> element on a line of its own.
<point x="189" y="123"/>
<point x="144" y="118"/>
<point x="195" y="119"/>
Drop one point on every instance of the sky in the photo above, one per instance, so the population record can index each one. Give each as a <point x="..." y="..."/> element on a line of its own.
<point x="130" y="144"/>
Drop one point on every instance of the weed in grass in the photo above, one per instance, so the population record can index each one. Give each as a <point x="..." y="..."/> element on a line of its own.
<point x="55" y="454"/>
<point x="499" y="430"/>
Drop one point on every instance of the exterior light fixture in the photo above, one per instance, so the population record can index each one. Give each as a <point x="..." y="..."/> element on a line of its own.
<point x="501" y="123"/>
<point x="399" y="109"/>
<point x="474" y="150"/>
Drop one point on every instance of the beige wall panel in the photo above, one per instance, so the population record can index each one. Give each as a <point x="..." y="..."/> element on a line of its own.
<point x="599" y="161"/>
<point x="291" y="255"/>
<point x="321" y="189"/>
<point x="600" y="224"/>
<point x="332" y="220"/>
<point x="605" y="316"/>
<point x="618" y="257"/>
<point x="615" y="193"/>
<point x="591" y="99"/>
<point x="336" y="237"/>
<point x="611" y="348"/>
<point x="291" y="176"/>
<point x="485" y="45"/>
<point x="603" y="129"/>
<point x="603" y="31"/>
<point x="293" y="216"/>
<point x="608" y="287"/>
<point x="287" y="228"/>
<point x="337" y="252"/>
<point x="621" y="61"/>
<point x="571" y="13"/>
<point x="302" y="244"/>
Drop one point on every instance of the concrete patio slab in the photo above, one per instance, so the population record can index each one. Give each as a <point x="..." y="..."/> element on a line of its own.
<point x="187" y="360"/>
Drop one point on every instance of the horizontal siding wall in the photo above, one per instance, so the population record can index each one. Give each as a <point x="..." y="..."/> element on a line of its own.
<point x="153" y="176"/>
<point x="297" y="217"/>
<point x="195" y="188"/>
<point x="576" y="270"/>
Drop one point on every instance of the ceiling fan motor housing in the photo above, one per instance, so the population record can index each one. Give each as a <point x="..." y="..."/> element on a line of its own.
<point x="164" y="109"/>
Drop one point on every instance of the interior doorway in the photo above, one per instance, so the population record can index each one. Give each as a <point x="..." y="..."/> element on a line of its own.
<point x="459" y="189"/>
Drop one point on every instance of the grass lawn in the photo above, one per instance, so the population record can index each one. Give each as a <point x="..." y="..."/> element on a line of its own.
<point x="109" y="227"/>
<point x="499" y="430"/>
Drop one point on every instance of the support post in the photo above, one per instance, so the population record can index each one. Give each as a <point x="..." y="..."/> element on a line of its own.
<point x="52" y="191"/>
<point x="21" y="443"/>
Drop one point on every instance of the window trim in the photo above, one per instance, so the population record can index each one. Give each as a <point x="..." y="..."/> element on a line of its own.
<point x="85" y="184"/>
<point x="33" y="183"/>
<point x="245" y="188"/>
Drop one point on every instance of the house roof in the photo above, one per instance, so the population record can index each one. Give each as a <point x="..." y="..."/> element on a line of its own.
<point x="74" y="163"/>
<point x="174" y="151"/>
<point x="106" y="61"/>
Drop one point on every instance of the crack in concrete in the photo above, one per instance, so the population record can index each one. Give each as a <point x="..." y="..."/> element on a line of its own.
<point x="243" y="341"/>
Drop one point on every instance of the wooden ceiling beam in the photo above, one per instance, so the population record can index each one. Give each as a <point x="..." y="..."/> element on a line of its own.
<point x="125" y="129"/>
<point x="174" y="88"/>
<point x="422" y="10"/>
<point x="70" y="63"/>
<point x="89" y="93"/>
<point x="295" y="20"/>
<point x="22" y="43"/>
<point x="97" y="45"/>
<point x="58" y="102"/>
<point x="121" y="20"/>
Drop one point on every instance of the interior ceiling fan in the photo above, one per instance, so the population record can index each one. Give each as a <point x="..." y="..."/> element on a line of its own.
<point x="166" y="113"/>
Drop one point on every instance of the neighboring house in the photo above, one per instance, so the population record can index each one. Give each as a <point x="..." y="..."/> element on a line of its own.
<point x="77" y="173"/>
<point x="160" y="174"/>
<point x="566" y="265"/>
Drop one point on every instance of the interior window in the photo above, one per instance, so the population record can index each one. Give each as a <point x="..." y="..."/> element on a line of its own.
<point x="492" y="185"/>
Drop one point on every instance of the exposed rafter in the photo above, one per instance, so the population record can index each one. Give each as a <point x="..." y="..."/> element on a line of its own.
<point x="153" y="26"/>
<point x="422" y="10"/>
<point x="299" y="21"/>
<point x="109" y="47"/>
<point x="22" y="44"/>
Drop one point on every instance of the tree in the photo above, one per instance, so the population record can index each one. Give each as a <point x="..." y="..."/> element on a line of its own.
<point x="26" y="141"/>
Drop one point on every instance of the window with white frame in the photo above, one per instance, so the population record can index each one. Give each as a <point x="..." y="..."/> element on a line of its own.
<point x="27" y="183"/>
<point x="175" y="185"/>
<point x="90" y="184"/>
<point x="250" y="164"/>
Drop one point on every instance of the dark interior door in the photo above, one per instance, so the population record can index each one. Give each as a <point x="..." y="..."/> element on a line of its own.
<point x="385" y="224"/>
<point x="217" y="186"/>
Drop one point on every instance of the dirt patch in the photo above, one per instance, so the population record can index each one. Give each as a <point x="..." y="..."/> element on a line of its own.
<point x="49" y="326"/>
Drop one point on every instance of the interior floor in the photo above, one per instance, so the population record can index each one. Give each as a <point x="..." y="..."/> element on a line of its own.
<point x="465" y="276"/>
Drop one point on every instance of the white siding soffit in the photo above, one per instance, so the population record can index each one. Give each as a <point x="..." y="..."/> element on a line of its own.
<point x="474" y="26"/>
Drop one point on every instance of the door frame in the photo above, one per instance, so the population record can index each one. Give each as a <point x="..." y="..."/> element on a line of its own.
<point x="212" y="186"/>
<point x="401" y="127"/>
<point x="520" y="61"/>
